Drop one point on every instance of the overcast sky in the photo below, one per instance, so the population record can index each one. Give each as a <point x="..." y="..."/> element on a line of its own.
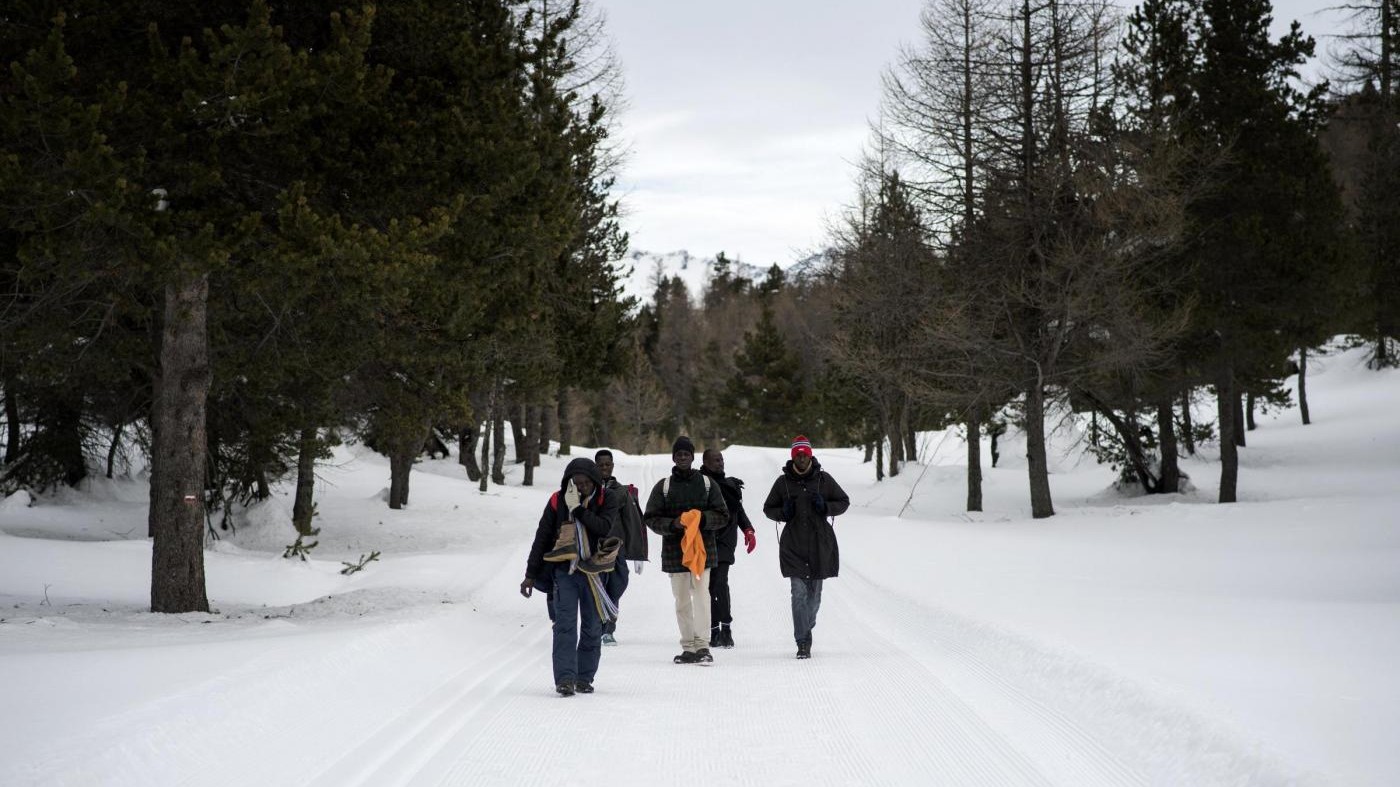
<point x="746" y="118"/>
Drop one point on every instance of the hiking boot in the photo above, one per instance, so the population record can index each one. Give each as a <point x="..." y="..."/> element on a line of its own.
<point x="687" y="657"/>
<point x="804" y="650"/>
<point x="565" y="688"/>
<point x="716" y="639"/>
<point x="702" y="656"/>
<point x="565" y="548"/>
<point x="604" y="560"/>
<point x="726" y="637"/>
<point x="583" y="687"/>
<point x="609" y="639"/>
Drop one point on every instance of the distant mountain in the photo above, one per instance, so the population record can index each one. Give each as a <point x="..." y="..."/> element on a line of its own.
<point x="641" y="270"/>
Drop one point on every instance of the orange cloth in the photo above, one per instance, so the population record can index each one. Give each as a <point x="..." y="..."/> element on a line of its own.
<point x="692" y="543"/>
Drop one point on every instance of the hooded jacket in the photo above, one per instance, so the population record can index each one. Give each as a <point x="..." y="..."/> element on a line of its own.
<point x="599" y="514"/>
<point x="807" y="548"/>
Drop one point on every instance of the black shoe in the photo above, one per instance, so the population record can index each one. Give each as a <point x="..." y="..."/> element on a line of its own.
<point x="566" y="688"/>
<point x="702" y="656"/>
<point x="687" y="657"/>
<point x="716" y="638"/>
<point x="804" y="650"/>
<point x="583" y="687"/>
<point x="726" y="637"/>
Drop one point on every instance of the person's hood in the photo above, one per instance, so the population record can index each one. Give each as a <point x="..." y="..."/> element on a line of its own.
<point x="581" y="465"/>
<point x="717" y="475"/>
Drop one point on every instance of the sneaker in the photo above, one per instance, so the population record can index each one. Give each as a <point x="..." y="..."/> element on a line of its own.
<point x="687" y="657"/>
<point x="565" y="688"/>
<point x="583" y="687"/>
<point x="716" y="638"/>
<point x="702" y="656"/>
<point x="726" y="637"/>
<point x="609" y="639"/>
<point x="804" y="650"/>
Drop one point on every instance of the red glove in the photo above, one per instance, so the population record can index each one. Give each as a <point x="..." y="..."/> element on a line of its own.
<point x="750" y="540"/>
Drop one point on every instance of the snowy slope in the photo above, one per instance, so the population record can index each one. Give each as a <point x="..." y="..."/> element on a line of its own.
<point x="1125" y="641"/>
<point x="641" y="270"/>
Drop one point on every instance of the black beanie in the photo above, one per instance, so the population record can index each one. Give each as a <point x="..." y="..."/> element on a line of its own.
<point x="682" y="444"/>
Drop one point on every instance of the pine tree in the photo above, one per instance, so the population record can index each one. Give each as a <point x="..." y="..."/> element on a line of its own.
<point x="766" y="393"/>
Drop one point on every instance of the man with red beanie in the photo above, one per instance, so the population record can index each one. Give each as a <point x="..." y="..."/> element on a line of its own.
<point x="807" y="499"/>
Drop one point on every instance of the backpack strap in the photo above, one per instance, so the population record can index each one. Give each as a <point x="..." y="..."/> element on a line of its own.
<point x="666" y="487"/>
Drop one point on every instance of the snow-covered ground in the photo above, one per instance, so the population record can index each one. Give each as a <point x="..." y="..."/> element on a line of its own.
<point x="1127" y="640"/>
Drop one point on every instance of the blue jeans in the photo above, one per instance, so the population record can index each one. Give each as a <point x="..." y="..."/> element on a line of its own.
<point x="806" y="600"/>
<point x="615" y="582"/>
<point x="576" y="647"/>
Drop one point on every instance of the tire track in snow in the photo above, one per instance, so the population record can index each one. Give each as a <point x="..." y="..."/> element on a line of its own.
<point x="398" y="750"/>
<point x="1061" y="750"/>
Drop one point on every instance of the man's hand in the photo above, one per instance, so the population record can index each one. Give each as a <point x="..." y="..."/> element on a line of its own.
<point x="571" y="496"/>
<point x="818" y="503"/>
<point x="787" y="509"/>
<point x="750" y="540"/>
<point x="527" y="586"/>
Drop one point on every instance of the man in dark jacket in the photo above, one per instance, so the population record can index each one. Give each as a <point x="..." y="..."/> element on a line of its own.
<point x="579" y="599"/>
<point x="804" y="496"/>
<point x="727" y="539"/>
<point x="683" y="491"/>
<point x="634" y="537"/>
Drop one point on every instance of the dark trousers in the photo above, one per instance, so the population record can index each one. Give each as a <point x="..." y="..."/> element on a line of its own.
<point x="719" y="596"/>
<point x="806" y="600"/>
<point x="616" y="583"/>
<point x="578" y="631"/>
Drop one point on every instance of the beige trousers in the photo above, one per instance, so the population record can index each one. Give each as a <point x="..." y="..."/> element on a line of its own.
<point x="692" y="609"/>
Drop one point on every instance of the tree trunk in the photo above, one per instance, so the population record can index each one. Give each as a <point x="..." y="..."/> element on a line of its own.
<point x="518" y="421"/>
<point x="1226" y="401"/>
<point x="566" y="428"/>
<point x="1303" y="385"/>
<point x="549" y="427"/>
<point x="1249" y="412"/>
<point x="540" y="423"/>
<point x="304" y="505"/>
<point x="178" y="450"/>
<point x="532" y="445"/>
<point x="1237" y="405"/>
<point x="486" y="434"/>
<point x="400" y="467"/>
<point x="869" y="452"/>
<point x="1037" y="465"/>
<point x="1382" y="355"/>
<point x="974" y="459"/>
<point x="880" y="459"/>
<point x="114" y="447"/>
<point x="1169" y="477"/>
<point x="996" y="430"/>
<point x="12" y="431"/>
<point x="498" y="456"/>
<point x="466" y="451"/>
<point x="1094" y="428"/>
<point x="1188" y="428"/>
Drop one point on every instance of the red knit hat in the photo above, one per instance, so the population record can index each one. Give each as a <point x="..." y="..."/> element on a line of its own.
<point x="801" y="445"/>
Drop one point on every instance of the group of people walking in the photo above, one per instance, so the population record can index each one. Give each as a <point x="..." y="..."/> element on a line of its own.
<point x="593" y="525"/>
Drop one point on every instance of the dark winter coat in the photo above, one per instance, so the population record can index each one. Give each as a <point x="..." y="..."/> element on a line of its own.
<point x="599" y="515"/>
<point x="807" y="548"/>
<point x="727" y="539"/>
<point x="688" y="490"/>
<point x="634" y="532"/>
